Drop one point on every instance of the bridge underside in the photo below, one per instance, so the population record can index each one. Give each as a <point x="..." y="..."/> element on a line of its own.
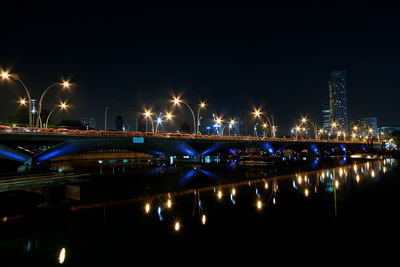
<point x="165" y="147"/>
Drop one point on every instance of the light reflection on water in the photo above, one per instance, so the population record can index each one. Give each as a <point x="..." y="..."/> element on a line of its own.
<point x="308" y="184"/>
<point x="176" y="210"/>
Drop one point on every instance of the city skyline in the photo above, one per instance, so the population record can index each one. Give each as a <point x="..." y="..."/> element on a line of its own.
<point x="232" y="60"/>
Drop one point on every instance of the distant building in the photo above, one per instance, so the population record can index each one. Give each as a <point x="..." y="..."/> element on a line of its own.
<point x="338" y="99"/>
<point x="387" y="131"/>
<point x="89" y="123"/>
<point x="365" y="127"/>
<point x="326" y="116"/>
<point x="371" y="123"/>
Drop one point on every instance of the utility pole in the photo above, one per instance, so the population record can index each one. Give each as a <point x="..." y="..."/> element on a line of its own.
<point x="105" y="119"/>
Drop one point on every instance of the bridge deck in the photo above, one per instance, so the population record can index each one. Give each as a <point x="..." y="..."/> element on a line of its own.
<point x="22" y="133"/>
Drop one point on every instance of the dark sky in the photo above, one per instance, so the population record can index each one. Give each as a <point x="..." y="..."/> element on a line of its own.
<point x="279" y="57"/>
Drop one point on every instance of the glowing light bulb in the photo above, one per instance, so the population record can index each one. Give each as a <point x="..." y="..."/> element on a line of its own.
<point x="61" y="256"/>
<point x="5" y="75"/>
<point x="299" y="179"/>
<point x="259" y="204"/>
<point x="177" y="226"/>
<point x="203" y="219"/>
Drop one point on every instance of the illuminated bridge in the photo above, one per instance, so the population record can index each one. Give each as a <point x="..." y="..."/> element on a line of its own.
<point x="34" y="147"/>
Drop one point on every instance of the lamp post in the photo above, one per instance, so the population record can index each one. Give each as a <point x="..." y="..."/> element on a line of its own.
<point x="257" y="113"/>
<point x="62" y="105"/>
<point x="355" y="128"/>
<point x="218" y="122"/>
<point x="231" y="123"/>
<point x="6" y="75"/>
<point x="158" y="121"/>
<point x="64" y="84"/>
<point x="371" y="132"/>
<point x="177" y="101"/>
<point x="147" y="114"/>
<point x="333" y="125"/>
<point x="255" y="129"/>
<point x="168" y="116"/>
<point x="339" y="131"/>
<point x="265" y="129"/>
<point x="201" y="106"/>
<point x="105" y="118"/>
<point x="305" y="120"/>
<point x="297" y="129"/>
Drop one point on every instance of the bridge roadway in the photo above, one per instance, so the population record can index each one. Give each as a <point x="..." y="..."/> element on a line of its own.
<point x="19" y="143"/>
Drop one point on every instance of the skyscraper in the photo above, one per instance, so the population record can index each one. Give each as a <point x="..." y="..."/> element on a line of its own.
<point x="326" y="116"/>
<point x="338" y="99"/>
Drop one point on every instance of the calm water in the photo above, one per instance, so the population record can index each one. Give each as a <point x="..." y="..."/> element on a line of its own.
<point x="129" y="211"/>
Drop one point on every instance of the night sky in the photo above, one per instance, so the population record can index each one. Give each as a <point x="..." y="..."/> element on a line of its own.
<point x="127" y="56"/>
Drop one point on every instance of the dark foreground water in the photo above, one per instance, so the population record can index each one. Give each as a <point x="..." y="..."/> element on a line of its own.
<point x="140" y="213"/>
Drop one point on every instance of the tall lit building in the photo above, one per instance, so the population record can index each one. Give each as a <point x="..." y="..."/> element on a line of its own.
<point x="326" y="116"/>
<point x="338" y="99"/>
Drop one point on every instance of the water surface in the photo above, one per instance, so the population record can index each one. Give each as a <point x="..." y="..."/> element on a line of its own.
<point x="128" y="211"/>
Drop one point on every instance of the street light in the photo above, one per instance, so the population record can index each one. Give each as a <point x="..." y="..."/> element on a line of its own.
<point x="257" y="113"/>
<point x="62" y="106"/>
<point x="297" y="129"/>
<point x="333" y="126"/>
<point x="6" y="75"/>
<point x="355" y="128"/>
<point x="218" y="122"/>
<point x="177" y="101"/>
<point x="64" y="84"/>
<point x="168" y="116"/>
<point x="159" y="121"/>
<point x="339" y="130"/>
<point x="231" y="123"/>
<point x="265" y="129"/>
<point x="22" y="101"/>
<point x="148" y="114"/>
<point x="201" y="106"/>
<point x="305" y="120"/>
<point x="370" y="132"/>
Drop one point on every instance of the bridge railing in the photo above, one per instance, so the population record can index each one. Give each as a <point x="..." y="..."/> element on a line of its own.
<point x="61" y="131"/>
